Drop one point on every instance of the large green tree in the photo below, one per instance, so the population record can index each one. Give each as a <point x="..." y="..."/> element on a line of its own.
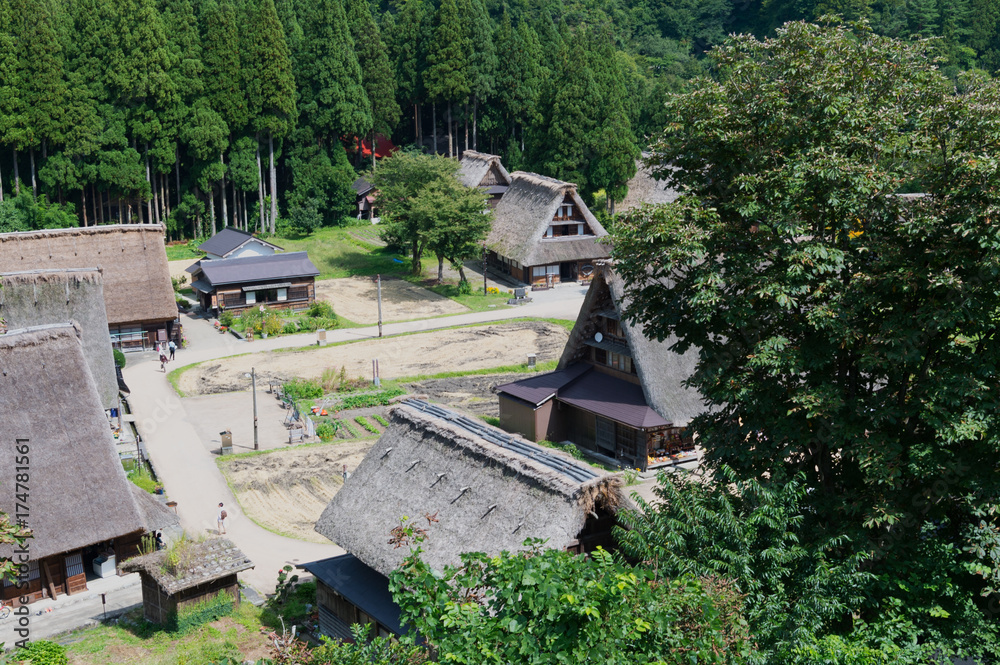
<point x="446" y="77"/>
<point x="377" y="75"/>
<point x="847" y="327"/>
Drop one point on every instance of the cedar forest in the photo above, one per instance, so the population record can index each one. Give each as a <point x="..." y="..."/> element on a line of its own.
<point x="213" y="112"/>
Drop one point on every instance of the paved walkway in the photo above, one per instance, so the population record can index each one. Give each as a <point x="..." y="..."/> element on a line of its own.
<point x="188" y="471"/>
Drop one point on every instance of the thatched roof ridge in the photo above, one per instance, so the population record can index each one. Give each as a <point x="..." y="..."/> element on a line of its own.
<point x="202" y="562"/>
<point x="645" y="188"/>
<point x="474" y="166"/>
<point x="525" y="212"/>
<point x="131" y="257"/>
<point x="485" y="498"/>
<point x="78" y="494"/>
<point x="661" y="371"/>
<point x="38" y="297"/>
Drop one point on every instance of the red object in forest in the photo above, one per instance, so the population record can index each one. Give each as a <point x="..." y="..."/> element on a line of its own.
<point x="383" y="147"/>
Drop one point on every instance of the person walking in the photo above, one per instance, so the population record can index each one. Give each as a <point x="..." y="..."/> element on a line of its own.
<point x="221" y="519"/>
<point x="172" y="347"/>
<point x="163" y="359"/>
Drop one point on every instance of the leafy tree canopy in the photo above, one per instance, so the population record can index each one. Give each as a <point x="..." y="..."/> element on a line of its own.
<point x="847" y="328"/>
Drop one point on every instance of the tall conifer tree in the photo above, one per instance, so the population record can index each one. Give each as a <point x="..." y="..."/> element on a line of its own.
<point x="376" y="72"/>
<point x="447" y="61"/>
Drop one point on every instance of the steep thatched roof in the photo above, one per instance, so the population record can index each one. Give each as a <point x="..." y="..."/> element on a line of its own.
<point x="155" y="514"/>
<point x="199" y="563"/>
<point x="475" y="167"/>
<point x="661" y="371"/>
<point x="78" y="494"/>
<point x="60" y="296"/>
<point x="525" y="212"/>
<point x="489" y="491"/>
<point x="131" y="257"/>
<point x="645" y="188"/>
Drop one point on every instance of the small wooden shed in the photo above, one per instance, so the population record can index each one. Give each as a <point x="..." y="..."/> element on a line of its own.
<point x="203" y="570"/>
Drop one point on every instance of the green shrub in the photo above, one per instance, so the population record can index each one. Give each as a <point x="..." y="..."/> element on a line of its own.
<point x="309" y="323"/>
<point x="119" y="358"/>
<point x="321" y="309"/>
<point x="382" y="421"/>
<point x="226" y="318"/>
<point x="297" y="389"/>
<point x="326" y="431"/>
<point x="361" y="420"/>
<point x="192" y="616"/>
<point x="465" y="288"/>
<point x="289" y="328"/>
<point x="43" y="653"/>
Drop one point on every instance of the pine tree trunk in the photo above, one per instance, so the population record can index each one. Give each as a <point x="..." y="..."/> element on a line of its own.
<point x="17" y="176"/>
<point x="244" y="207"/>
<point x="475" y="109"/>
<point x="34" y="185"/>
<point x="128" y="211"/>
<point x="373" y="150"/>
<point x="83" y="204"/>
<point x="450" y="151"/>
<point x="177" y="170"/>
<point x="99" y="202"/>
<point x="274" y="182"/>
<point x="260" y="188"/>
<point x="121" y="210"/>
<point x="197" y="218"/>
<point x="434" y="126"/>
<point x="211" y="208"/>
<point x="236" y="209"/>
<point x="466" y="127"/>
<point x="156" y="198"/>
<point x="225" y="207"/>
<point x="149" y="201"/>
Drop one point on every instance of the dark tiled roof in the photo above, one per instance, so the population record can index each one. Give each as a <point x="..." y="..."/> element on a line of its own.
<point x="493" y="190"/>
<point x="361" y="186"/>
<point x="228" y="240"/>
<point x="271" y="268"/>
<point x="363" y="586"/>
<point x="612" y="398"/>
<point x="539" y="389"/>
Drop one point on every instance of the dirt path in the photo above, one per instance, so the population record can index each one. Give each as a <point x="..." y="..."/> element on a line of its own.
<point x="286" y="491"/>
<point x="356" y="299"/>
<point x="479" y="347"/>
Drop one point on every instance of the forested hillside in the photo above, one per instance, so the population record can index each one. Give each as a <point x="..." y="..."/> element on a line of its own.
<point x="196" y="112"/>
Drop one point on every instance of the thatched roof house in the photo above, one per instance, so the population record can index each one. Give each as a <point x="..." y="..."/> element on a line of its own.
<point x="543" y="233"/>
<point x="478" y="169"/>
<point x="40" y="297"/>
<point x="138" y="295"/>
<point x="484" y="489"/>
<point x="616" y="392"/>
<point x="79" y="502"/>
<point x="645" y="188"/>
<point x="203" y="569"/>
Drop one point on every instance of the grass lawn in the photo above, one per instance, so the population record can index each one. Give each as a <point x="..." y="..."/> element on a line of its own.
<point x="336" y="253"/>
<point x="133" y="640"/>
<point x="179" y="251"/>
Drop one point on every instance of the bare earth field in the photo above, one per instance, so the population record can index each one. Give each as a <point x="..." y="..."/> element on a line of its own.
<point x="409" y="355"/>
<point x="179" y="268"/>
<point x="287" y="491"/>
<point x="472" y="394"/>
<point x="356" y="299"/>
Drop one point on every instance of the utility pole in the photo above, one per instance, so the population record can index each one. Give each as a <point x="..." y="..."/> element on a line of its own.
<point x="485" y="290"/>
<point x="253" y="380"/>
<point x="379" y="280"/>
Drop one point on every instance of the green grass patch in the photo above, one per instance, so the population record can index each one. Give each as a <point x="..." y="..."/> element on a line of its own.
<point x="476" y="301"/>
<point x="546" y="366"/>
<point x="179" y="251"/>
<point x="133" y="640"/>
<point x="336" y="253"/>
<point x="143" y="479"/>
<point x="381" y="421"/>
<point x="491" y="420"/>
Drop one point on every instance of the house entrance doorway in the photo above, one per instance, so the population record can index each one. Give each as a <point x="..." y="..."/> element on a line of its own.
<point x="567" y="271"/>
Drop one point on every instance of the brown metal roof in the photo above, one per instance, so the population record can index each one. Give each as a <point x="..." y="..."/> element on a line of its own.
<point x="541" y="388"/>
<point x="611" y="398"/>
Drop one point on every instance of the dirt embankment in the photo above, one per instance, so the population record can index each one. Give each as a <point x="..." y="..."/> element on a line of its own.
<point x="287" y="491"/>
<point x="473" y="394"/>
<point x="462" y="349"/>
